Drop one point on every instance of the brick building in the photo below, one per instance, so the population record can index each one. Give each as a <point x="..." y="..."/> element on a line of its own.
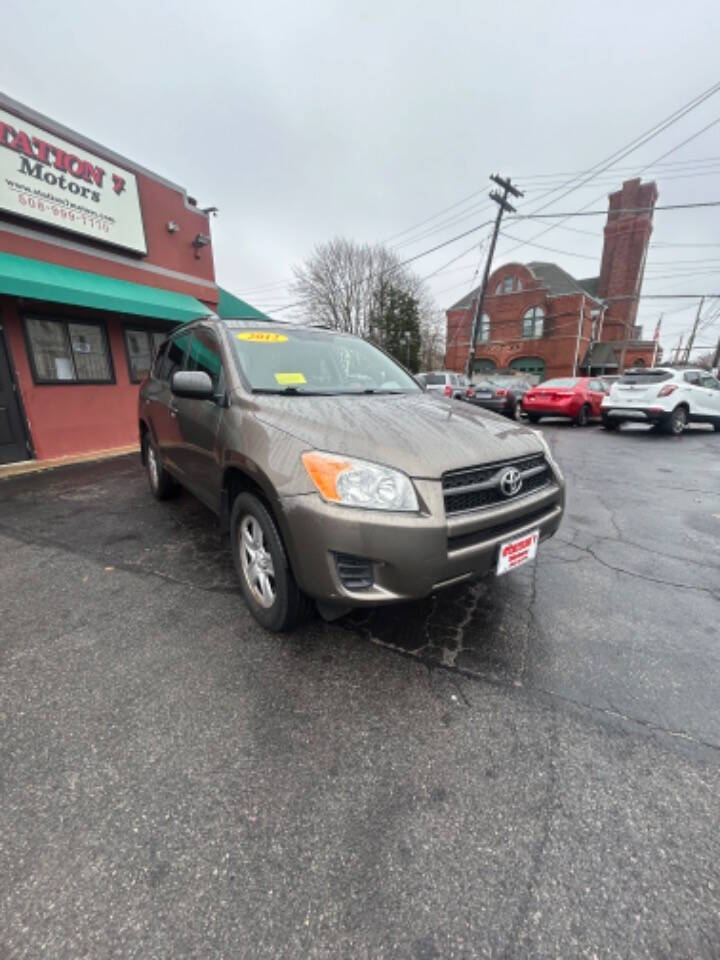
<point x="540" y="320"/>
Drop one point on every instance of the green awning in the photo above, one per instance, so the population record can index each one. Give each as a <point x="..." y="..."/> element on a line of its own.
<point x="231" y="307"/>
<point x="37" y="280"/>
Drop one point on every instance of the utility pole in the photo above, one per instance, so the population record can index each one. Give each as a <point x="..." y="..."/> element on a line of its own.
<point x="716" y="358"/>
<point x="690" y="342"/>
<point x="501" y="199"/>
<point x="678" y="348"/>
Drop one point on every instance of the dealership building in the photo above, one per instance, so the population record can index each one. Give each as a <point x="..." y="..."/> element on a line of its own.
<point x="99" y="258"/>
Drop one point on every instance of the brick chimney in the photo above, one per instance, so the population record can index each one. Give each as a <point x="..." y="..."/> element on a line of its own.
<point x="627" y="235"/>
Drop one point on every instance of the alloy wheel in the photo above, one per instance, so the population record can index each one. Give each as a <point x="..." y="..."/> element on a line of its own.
<point x="256" y="562"/>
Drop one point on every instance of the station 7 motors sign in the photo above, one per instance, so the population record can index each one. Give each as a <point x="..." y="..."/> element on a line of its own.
<point x="48" y="179"/>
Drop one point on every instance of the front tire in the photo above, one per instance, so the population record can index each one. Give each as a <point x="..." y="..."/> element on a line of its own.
<point x="676" y="422"/>
<point x="266" y="580"/>
<point x="516" y="411"/>
<point x="534" y="417"/>
<point x="162" y="485"/>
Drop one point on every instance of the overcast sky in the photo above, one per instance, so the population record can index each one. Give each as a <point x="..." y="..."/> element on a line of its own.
<point x="303" y="121"/>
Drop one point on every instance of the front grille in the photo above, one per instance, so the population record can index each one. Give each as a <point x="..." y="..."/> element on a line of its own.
<point x="498" y="529"/>
<point x="478" y="487"/>
<point x="356" y="573"/>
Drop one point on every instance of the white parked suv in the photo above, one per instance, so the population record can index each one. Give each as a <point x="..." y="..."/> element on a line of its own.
<point x="664" y="397"/>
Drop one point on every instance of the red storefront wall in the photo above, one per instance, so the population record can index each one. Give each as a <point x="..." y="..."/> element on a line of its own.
<point x="68" y="419"/>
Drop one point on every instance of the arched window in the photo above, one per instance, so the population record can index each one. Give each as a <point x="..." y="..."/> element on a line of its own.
<point x="639" y="362"/>
<point x="535" y="366"/>
<point x="484" y="329"/>
<point x="533" y="323"/>
<point x="509" y="284"/>
<point x="484" y="365"/>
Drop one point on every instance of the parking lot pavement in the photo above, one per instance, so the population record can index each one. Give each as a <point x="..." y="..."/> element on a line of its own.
<point x="523" y="767"/>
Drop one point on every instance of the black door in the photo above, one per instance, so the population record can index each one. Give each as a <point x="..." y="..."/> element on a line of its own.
<point x="12" y="430"/>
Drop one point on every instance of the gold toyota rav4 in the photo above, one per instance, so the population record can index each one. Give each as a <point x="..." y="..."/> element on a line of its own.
<point x="340" y="480"/>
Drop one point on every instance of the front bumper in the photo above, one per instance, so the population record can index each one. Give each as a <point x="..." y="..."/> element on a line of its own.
<point x="412" y="555"/>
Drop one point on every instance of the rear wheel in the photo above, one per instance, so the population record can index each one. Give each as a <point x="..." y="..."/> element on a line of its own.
<point x="516" y="410"/>
<point x="534" y="417"/>
<point x="162" y="484"/>
<point x="610" y="423"/>
<point x="676" y="422"/>
<point x="266" y="580"/>
<point x="583" y="416"/>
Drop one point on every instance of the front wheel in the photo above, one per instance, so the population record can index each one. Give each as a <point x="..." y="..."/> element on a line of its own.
<point x="676" y="422"/>
<point x="534" y="417"/>
<point x="162" y="485"/>
<point x="266" y="580"/>
<point x="583" y="416"/>
<point x="516" y="411"/>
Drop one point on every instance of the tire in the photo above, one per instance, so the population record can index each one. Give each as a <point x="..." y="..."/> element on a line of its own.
<point x="515" y="412"/>
<point x="609" y="423"/>
<point x="583" y="416"/>
<point x="534" y="417"/>
<point x="677" y="421"/>
<point x="266" y="580"/>
<point x="716" y="426"/>
<point x="162" y="485"/>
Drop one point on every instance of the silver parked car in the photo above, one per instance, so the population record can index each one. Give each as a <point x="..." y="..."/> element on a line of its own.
<point x="450" y="384"/>
<point x="338" y="478"/>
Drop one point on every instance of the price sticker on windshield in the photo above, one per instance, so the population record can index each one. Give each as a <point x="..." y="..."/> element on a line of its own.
<point x="290" y="378"/>
<point x="260" y="336"/>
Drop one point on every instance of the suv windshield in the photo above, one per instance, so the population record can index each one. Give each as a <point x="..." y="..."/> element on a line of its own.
<point x="298" y="361"/>
<point x="645" y="376"/>
<point x="434" y="379"/>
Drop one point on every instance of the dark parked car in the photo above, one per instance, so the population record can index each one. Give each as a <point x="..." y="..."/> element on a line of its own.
<point x="337" y="476"/>
<point x="501" y="394"/>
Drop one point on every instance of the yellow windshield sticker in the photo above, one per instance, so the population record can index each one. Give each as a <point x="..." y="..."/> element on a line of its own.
<point x="287" y="378"/>
<point x="260" y="336"/>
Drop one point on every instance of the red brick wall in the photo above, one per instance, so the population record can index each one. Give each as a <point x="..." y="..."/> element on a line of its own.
<point x="627" y="236"/>
<point x="74" y="418"/>
<point x="558" y="345"/>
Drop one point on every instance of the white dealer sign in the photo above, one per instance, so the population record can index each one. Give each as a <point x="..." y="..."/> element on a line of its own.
<point x="48" y="179"/>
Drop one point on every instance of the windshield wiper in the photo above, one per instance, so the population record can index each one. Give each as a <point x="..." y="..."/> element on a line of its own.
<point x="380" y="391"/>
<point x="292" y="392"/>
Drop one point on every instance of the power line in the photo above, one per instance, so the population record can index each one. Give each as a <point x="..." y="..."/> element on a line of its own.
<point x="603" y="213"/>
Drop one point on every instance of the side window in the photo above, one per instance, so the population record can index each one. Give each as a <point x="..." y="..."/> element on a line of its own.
<point x="709" y="382"/>
<point x="692" y="377"/>
<point x="172" y="357"/>
<point x="596" y="386"/>
<point x="204" y="355"/>
<point x="160" y="360"/>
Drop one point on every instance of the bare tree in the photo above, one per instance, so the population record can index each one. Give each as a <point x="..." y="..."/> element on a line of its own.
<point x="342" y="283"/>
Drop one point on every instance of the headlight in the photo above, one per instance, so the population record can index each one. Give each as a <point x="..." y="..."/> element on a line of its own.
<point x="357" y="483"/>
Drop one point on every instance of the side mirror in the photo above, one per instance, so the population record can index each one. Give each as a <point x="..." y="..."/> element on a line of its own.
<point x="193" y="384"/>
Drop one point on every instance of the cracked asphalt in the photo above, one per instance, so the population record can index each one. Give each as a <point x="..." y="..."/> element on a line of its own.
<point x="525" y="767"/>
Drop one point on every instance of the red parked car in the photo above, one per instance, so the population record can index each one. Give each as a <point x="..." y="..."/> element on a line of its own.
<point x="577" y="398"/>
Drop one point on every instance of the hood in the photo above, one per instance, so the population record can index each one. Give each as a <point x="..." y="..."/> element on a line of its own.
<point x="423" y="435"/>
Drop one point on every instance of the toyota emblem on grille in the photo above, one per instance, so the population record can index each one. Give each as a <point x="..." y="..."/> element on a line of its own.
<point x="510" y="482"/>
